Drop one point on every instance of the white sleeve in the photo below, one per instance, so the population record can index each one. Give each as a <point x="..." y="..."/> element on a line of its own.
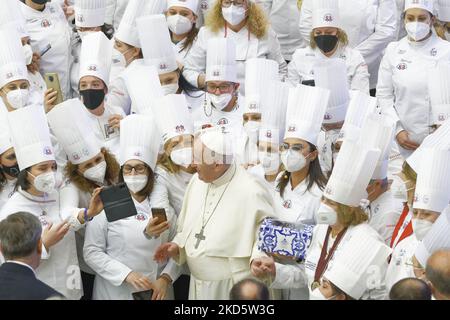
<point x="360" y="77"/>
<point x="172" y="268"/>
<point x="160" y="192"/>
<point x="195" y="61"/>
<point x="110" y="10"/>
<point x="266" y="5"/>
<point x="294" y="77"/>
<point x="69" y="199"/>
<point x="118" y="95"/>
<point x="289" y="276"/>
<point x="305" y="23"/>
<point x="94" y="252"/>
<point x="275" y="54"/>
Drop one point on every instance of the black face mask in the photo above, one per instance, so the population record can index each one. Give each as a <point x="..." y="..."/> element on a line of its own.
<point x="39" y="1"/>
<point x="326" y="43"/>
<point x="11" y="171"/>
<point x="92" y="98"/>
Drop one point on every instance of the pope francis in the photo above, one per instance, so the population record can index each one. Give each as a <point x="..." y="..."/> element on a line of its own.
<point x="219" y="222"/>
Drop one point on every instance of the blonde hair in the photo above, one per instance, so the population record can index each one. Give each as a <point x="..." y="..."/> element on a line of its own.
<point x="342" y="39"/>
<point x="166" y="163"/>
<point x="257" y="21"/>
<point x="350" y="216"/>
<point x="440" y="30"/>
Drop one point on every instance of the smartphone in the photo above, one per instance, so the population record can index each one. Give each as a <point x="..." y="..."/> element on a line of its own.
<point x="310" y="83"/>
<point x="143" y="295"/>
<point x="117" y="202"/>
<point x="160" y="213"/>
<point x="52" y="81"/>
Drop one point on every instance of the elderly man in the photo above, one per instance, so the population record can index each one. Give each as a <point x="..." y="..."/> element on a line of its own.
<point x="437" y="272"/>
<point x="219" y="221"/>
<point x="249" y="289"/>
<point x="410" y="289"/>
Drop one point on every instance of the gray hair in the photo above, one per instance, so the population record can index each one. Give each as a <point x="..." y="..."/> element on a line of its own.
<point x="19" y="235"/>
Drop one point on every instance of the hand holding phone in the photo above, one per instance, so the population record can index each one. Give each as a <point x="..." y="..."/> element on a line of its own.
<point x="158" y="224"/>
<point x="53" y="96"/>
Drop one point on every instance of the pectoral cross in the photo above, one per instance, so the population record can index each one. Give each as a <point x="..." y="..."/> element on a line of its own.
<point x="200" y="237"/>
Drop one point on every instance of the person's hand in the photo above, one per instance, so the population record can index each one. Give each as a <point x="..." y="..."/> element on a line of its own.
<point x="34" y="66"/>
<point x="68" y="9"/>
<point x="201" y="81"/>
<point x="114" y="121"/>
<point x="160" y="287"/>
<point x="165" y="251"/>
<point x="139" y="281"/>
<point x="53" y="234"/>
<point x="50" y="97"/>
<point x="155" y="229"/>
<point x="96" y="203"/>
<point x="404" y="141"/>
<point x="263" y="267"/>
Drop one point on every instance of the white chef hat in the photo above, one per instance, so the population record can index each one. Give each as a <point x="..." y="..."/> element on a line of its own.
<point x="273" y="112"/>
<point x="421" y="4"/>
<point x="139" y="139"/>
<point x="352" y="266"/>
<point x="332" y="75"/>
<point x="433" y="181"/>
<point x="378" y="132"/>
<point x="127" y="31"/>
<point x="221" y="60"/>
<point x="143" y="86"/>
<point x="351" y="174"/>
<point x="189" y="4"/>
<point x="259" y="73"/>
<point x="361" y="104"/>
<point x="30" y="136"/>
<point x="436" y="239"/>
<point x="326" y="14"/>
<point x="96" y="56"/>
<point x="439" y="90"/>
<point x="5" y="136"/>
<point x="12" y="57"/>
<point x="11" y="16"/>
<point x="173" y="117"/>
<point x="72" y="127"/>
<point x="438" y="139"/>
<point x="157" y="47"/>
<point x="218" y="140"/>
<point x="305" y="111"/>
<point x="90" y="13"/>
<point x="443" y="10"/>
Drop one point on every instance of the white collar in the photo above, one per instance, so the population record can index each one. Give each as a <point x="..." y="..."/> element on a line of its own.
<point x="226" y="177"/>
<point x="22" y="264"/>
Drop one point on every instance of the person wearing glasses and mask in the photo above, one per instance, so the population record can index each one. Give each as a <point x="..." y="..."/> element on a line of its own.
<point x="328" y="41"/>
<point x="400" y="92"/>
<point x="299" y="189"/>
<point x="121" y="252"/>
<point x="431" y="199"/>
<point x="244" y="22"/>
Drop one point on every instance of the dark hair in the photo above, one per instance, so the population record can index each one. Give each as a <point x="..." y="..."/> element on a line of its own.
<point x="19" y="235"/>
<point x="410" y="289"/>
<point x="148" y="187"/>
<point x="440" y="278"/>
<point x="186" y="86"/>
<point x="262" y="292"/>
<point x="2" y="180"/>
<point x="104" y="28"/>
<point x="190" y="38"/>
<point x="22" y="181"/>
<point x="337" y="291"/>
<point x="315" y="175"/>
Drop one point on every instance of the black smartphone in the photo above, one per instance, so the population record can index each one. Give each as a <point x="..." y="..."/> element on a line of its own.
<point x="160" y="213"/>
<point x="117" y="202"/>
<point x="310" y="83"/>
<point x="143" y="295"/>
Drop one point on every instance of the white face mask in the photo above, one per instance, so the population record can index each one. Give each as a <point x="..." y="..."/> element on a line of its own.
<point x="293" y="161"/>
<point x="234" y="15"/>
<point x="182" y="157"/>
<point x="179" y="24"/>
<point x="45" y="182"/>
<point x="118" y="58"/>
<point x="269" y="161"/>
<point x="421" y="228"/>
<point x="417" y="30"/>
<point x="18" y="98"/>
<point x="220" y="101"/>
<point x="97" y="173"/>
<point x="170" y="88"/>
<point x="136" y="183"/>
<point x="326" y="215"/>
<point x="316" y="294"/>
<point x="28" y="52"/>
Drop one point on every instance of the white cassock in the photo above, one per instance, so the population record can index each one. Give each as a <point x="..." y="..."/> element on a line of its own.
<point x="400" y="266"/>
<point x="59" y="268"/>
<point x="384" y="214"/>
<point x="230" y="236"/>
<point x="7" y="192"/>
<point x="114" y="249"/>
<point x="314" y="250"/>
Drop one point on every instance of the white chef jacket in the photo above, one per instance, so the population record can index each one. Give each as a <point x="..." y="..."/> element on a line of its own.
<point x="267" y="47"/>
<point x="305" y="60"/>
<point x="314" y="250"/>
<point x="297" y="206"/>
<point x="7" y="192"/>
<point x="75" y="64"/>
<point x="58" y="268"/>
<point x="114" y="249"/>
<point x="50" y="27"/>
<point x="369" y="24"/>
<point x="284" y="16"/>
<point x="402" y="89"/>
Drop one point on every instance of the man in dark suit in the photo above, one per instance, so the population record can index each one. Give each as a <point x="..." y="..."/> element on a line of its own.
<point x="21" y="246"/>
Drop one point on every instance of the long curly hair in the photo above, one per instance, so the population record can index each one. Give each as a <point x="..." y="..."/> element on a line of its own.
<point x="257" y="21"/>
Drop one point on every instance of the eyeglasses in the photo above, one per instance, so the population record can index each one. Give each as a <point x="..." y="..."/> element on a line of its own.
<point x="237" y="3"/>
<point x="139" y="169"/>
<point x="223" y="88"/>
<point x="294" y="147"/>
